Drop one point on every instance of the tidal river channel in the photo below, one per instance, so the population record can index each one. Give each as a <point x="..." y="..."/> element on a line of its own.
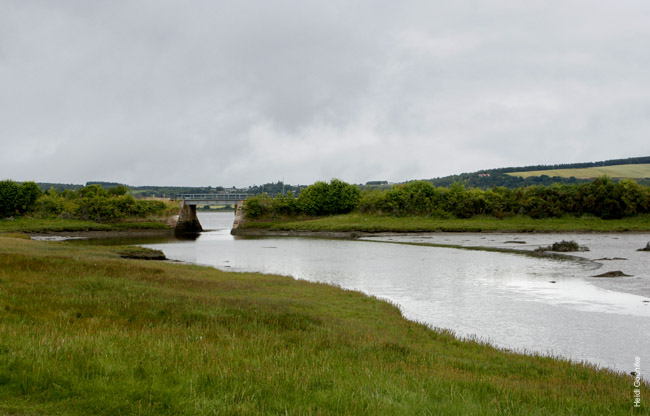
<point x="513" y="301"/>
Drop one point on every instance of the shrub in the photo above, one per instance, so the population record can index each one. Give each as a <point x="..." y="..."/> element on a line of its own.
<point x="95" y="203"/>
<point x="17" y="199"/>
<point x="341" y="197"/>
<point x="373" y="202"/>
<point x="313" y="199"/>
<point x="8" y="196"/>
<point x="322" y="198"/>
<point x="253" y="207"/>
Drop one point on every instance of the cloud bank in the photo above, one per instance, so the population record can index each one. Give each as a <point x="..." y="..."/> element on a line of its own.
<point x="224" y="93"/>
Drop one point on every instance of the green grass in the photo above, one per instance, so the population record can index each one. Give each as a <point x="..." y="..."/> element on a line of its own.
<point x="639" y="171"/>
<point x="374" y="223"/>
<point x="35" y="225"/>
<point x="83" y="331"/>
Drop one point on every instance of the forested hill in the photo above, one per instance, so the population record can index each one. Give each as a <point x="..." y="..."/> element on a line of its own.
<point x="612" y="162"/>
<point x="500" y="177"/>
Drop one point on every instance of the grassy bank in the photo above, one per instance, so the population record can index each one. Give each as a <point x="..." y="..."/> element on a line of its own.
<point x="39" y="225"/>
<point x="83" y="331"/>
<point x="370" y="223"/>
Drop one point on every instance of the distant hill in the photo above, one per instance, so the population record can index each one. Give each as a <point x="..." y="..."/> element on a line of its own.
<point x="60" y="187"/>
<point x="641" y="171"/>
<point x="637" y="168"/>
<point x="168" y="191"/>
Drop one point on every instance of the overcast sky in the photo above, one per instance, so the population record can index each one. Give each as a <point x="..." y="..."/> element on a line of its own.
<point x="211" y="92"/>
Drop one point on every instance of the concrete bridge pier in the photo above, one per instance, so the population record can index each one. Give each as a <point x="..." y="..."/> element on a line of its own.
<point x="239" y="217"/>
<point x="188" y="222"/>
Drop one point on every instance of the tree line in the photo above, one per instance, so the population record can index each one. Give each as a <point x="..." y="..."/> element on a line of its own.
<point x="501" y="179"/>
<point x="601" y="197"/>
<point x="321" y="198"/>
<point x="581" y="165"/>
<point x="92" y="202"/>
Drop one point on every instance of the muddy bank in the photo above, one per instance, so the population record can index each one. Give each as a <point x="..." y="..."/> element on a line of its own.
<point x="103" y="234"/>
<point x="259" y="232"/>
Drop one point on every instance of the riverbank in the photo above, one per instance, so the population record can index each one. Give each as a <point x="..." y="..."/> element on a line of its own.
<point x="351" y="223"/>
<point x="70" y="227"/>
<point x="83" y="331"/>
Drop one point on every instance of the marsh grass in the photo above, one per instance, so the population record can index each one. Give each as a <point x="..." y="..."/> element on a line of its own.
<point x="378" y="223"/>
<point x="83" y="331"/>
<point x="35" y="225"/>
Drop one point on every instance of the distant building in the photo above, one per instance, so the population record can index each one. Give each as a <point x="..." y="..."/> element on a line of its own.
<point x="369" y="183"/>
<point x="483" y="175"/>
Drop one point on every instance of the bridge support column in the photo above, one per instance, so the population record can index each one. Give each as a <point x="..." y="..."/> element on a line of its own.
<point x="188" y="222"/>
<point x="239" y="217"/>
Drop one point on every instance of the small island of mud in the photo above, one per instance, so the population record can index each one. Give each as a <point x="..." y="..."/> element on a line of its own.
<point x="616" y="273"/>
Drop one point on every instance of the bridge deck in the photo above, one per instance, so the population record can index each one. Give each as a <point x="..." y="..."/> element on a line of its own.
<point x="211" y="199"/>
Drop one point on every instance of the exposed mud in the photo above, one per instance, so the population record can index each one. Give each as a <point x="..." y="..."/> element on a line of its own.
<point x="616" y="273"/>
<point x="69" y="235"/>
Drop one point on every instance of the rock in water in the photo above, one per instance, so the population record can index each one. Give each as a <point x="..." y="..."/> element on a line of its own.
<point x="616" y="273"/>
<point x="646" y="248"/>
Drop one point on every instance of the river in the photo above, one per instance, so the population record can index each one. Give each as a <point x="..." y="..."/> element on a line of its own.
<point x="513" y="301"/>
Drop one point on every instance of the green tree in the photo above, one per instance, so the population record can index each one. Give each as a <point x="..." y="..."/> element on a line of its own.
<point x="91" y="191"/>
<point x="322" y="198"/>
<point x="341" y="197"/>
<point x="118" y="190"/>
<point x="313" y="199"/>
<point x="17" y="199"/>
<point x="28" y="194"/>
<point x="8" y="196"/>
<point x="373" y="202"/>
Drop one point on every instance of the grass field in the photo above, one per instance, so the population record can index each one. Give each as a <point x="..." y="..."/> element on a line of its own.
<point x="83" y="332"/>
<point x="375" y="223"/>
<point x="640" y="171"/>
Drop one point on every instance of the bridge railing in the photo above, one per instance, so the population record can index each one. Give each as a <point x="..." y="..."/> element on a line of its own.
<point x="211" y="197"/>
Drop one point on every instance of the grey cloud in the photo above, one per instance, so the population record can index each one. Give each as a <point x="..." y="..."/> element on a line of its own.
<point x="213" y="92"/>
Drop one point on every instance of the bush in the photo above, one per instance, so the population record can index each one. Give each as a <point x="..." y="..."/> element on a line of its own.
<point x="8" y="196"/>
<point x="373" y="202"/>
<point x="17" y="199"/>
<point x="95" y="203"/>
<point x="322" y="198"/>
<point x="313" y="199"/>
<point x="341" y="197"/>
<point x="253" y="207"/>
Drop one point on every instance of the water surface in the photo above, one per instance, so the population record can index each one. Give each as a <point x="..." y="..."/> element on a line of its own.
<point x="513" y="301"/>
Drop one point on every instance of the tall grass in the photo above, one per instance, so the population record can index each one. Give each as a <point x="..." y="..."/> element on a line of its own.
<point x="83" y="331"/>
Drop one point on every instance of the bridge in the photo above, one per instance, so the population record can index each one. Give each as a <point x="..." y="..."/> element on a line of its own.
<point x="211" y="199"/>
<point x="188" y="222"/>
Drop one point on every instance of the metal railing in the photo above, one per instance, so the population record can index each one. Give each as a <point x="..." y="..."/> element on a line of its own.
<point x="211" y="197"/>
